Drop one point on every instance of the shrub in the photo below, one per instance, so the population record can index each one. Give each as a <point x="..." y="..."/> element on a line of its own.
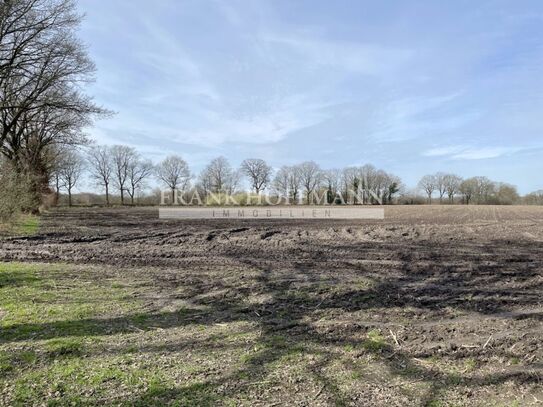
<point x="15" y="193"/>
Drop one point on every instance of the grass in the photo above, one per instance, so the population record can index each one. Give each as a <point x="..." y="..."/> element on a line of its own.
<point x="92" y="335"/>
<point x="71" y="336"/>
<point x="24" y="224"/>
<point x="27" y="224"/>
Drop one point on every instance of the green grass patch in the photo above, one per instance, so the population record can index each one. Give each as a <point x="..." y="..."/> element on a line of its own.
<point x="64" y="347"/>
<point x="49" y="301"/>
<point x="23" y="224"/>
<point x="28" y="225"/>
<point x="374" y="342"/>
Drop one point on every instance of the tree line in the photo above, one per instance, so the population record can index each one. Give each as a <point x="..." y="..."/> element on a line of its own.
<point x="123" y="171"/>
<point x="43" y="108"/>
<point x="477" y="190"/>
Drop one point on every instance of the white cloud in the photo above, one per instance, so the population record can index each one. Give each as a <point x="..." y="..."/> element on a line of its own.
<point x="463" y="152"/>
<point x="443" y="151"/>
<point x="484" y="153"/>
<point x="370" y="59"/>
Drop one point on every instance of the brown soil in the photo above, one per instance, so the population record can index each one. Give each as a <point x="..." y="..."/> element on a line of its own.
<point x="455" y="291"/>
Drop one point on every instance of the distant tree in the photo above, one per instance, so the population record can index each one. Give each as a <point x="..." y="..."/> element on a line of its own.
<point x="440" y="184"/>
<point x="351" y="184"/>
<point x="428" y="185"/>
<point x="452" y="184"/>
<point x="310" y="178"/>
<point x="56" y="165"/>
<point x="70" y="172"/>
<point x="287" y="183"/>
<point x="468" y="188"/>
<point x="333" y="179"/>
<point x="392" y="186"/>
<point x="101" y="167"/>
<point x="139" y="171"/>
<point x="486" y="190"/>
<point x="507" y="194"/>
<point x="534" y="198"/>
<point x="371" y="181"/>
<point x="258" y="173"/>
<point x="174" y="173"/>
<point x="122" y="157"/>
<point x="220" y="176"/>
<point x="280" y="184"/>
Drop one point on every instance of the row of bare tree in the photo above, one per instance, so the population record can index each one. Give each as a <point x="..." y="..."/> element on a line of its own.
<point x="123" y="170"/>
<point x="480" y="190"/>
<point x="43" y="67"/>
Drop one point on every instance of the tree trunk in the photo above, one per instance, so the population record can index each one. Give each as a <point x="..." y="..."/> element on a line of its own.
<point x="107" y="194"/>
<point x="173" y="196"/>
<point x="122" y="196"/>
<point x="57" y="189"/>
<point x="70" y="196"/>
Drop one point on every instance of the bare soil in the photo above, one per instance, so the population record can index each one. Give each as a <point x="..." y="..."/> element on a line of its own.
<point x="435" y="305"/>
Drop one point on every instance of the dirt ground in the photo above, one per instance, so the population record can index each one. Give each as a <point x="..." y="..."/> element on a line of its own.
<point x="432" y="306"/>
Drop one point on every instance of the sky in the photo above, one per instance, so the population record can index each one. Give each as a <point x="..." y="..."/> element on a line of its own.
<point x="412" y="87"/>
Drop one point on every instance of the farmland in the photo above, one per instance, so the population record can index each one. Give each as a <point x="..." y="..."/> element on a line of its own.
<point x="435" y="305"/>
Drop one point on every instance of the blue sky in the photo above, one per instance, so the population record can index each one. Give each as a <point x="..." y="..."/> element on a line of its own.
<point x="413" y="87"/>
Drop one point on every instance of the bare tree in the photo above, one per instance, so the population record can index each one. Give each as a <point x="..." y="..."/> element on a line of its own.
<point x="174" y="172"/>
<point x="258" y="172"/>
<point x="452" y="184"/>
<point x="428" y="185"/>
<point x="205" y="184"/>
<point x="101" y="167"/>
<point x="287" y="183"/>
<point x="220" y="175"/>
<point x="43" y="67"/>
<point x="280" y="184"/>
<point x="506" y="194"/>
<point x="351" y="184"/>
<point x="391" y="184"/>
<point x="440" y="184"/>
<point x="122" y="158"/>
<point x="534" y="198"/>
<point x="310" y="178"/>
<point x="138" y="172"/>
<point x="70" y="172"/>
<point x="468" y="188"/>
<point x="333" y="179"/>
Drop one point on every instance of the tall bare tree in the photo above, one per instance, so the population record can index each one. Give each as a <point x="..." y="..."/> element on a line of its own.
<point x="452" y="184"/>
<point x="333" y="179"/>
<point x="221" y="176"/>
<point x="139" y="170"/>
<point x="258" y="172"/>
<point x="310" y="178"/>
<point x="286" y="183"/>
<point x="468" y="188"/>
<point x="441" y="184"/>
<point x="43" y="67"/>
<point x="70" y="172"/>
<point x="101" y="167"/>
<point x="122" y="158"/>
<point x="428" y="185"/>
<point x="174" y="172"/>
<point x="351" y="184"/>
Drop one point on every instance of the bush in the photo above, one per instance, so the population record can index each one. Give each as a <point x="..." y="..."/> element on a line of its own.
<point x="15" y="193"/>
